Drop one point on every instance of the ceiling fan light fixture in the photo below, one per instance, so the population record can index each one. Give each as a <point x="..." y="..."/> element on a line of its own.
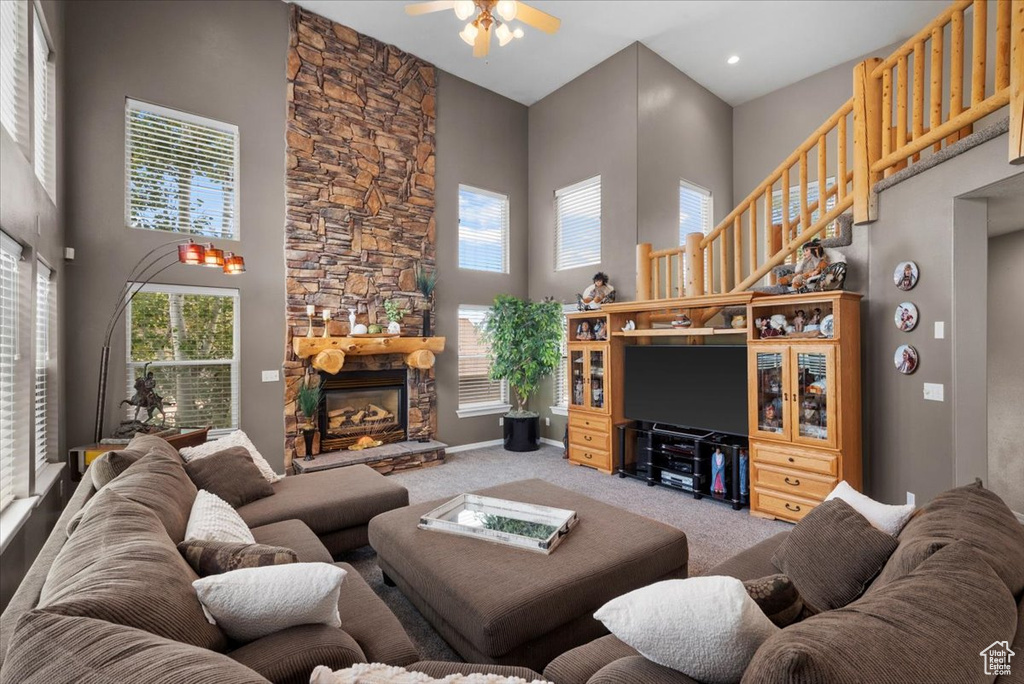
<point x="464" y="9"/>
<point x="518" y="33"/>
<point x="504" y="35"/>
<point x="468" y="34"/>
<point x="733" y="59"/>
<point x="507" y="9"/>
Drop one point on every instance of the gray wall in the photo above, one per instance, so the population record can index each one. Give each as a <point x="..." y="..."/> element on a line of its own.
<point x="911" y="444"/>
<point x="481" y="141"/>
<point x="29" y="216"/>
<point x="224" y="60"/>
<point x="1006" y="367"/>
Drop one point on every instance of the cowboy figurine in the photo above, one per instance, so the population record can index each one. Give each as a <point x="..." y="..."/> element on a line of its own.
<point x="814" y="263"/>
<point x="600" y="292"/>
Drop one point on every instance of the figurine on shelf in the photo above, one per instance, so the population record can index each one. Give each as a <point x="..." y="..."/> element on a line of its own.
<point x="815" y="321"/>
<point x="809" y="412"/>
<point x="583" y="331"/>
<point x="744" y="475"/>
<point x="600" y="332"/>
<point x="598" y="293"/>
<point x="770" y="418"/>
<point x="799" y="320"/>
<point x="767" y="329"/>
<point x="814" y="263"/>
<point x="718" y="472"/>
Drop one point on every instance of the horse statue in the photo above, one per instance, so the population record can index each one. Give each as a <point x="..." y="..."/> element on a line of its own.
<point x="145" y="397"/>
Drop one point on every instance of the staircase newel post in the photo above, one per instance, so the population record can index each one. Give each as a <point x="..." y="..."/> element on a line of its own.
<point x="1017" y="82"/>
<point x="643" y="271"/>
<point x="867" y="139"/>
<point x="694" y="281"/>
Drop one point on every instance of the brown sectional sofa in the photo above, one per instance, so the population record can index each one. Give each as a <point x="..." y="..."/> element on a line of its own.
<point x="915" y="622"/>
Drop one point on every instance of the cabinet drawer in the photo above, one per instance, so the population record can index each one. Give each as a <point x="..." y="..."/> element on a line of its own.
<point x="591" y="422"/>
<point x="793" y="482"/>
<point x="589" y="439"/>
<point x="591" y="457"/>
<point x="787" y="456"/>
<point x="782" y="506"/>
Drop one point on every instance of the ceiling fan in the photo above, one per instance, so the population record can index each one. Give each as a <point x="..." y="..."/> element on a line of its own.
<point x="478" y="31"/>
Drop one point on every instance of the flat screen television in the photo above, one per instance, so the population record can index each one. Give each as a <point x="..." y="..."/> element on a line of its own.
<point x="688" y="386"/>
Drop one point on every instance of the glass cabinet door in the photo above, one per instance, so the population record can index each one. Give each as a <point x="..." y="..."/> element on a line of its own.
<point x="814" y="398"/>
<point x="771" y="396"/>
<point x="577" y="378"/>
<point x="596" y="379"/>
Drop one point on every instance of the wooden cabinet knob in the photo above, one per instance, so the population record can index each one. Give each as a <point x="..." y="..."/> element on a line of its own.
<point x="791" y="460"/>
<point x="589" y="455"/>
<point x="795" y="509"/>
<point x="588" y="438"/>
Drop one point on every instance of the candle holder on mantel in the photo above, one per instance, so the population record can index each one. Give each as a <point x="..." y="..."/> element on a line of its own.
<point x="310" y="312"/>
<point x="327" y="323"/>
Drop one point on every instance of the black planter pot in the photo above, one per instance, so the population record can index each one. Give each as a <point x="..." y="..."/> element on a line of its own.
<point x="307" y="437"/>
<point x="522" y="434"/>
<point x="426" y="322"/>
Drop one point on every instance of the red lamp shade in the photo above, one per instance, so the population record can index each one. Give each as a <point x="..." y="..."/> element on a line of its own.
<point x="234" y="263"/>
<point x="214" y="257"/>
<point x="191" y="253"/>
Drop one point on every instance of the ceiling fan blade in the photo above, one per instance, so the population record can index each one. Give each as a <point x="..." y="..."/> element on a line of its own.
<point x="428" y="7"/>
<point x="482" y="45"/>
<point x="537" y="19"/>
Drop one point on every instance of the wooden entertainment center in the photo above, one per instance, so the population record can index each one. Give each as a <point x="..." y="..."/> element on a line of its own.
<point x="804" y="403"/>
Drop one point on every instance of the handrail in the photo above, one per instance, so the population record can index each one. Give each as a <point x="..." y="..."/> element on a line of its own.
<point x="908" y="47"/>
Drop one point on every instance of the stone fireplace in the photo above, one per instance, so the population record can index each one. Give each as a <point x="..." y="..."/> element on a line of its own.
<point x="370" y="404"/>
<point x="360" y="202"/>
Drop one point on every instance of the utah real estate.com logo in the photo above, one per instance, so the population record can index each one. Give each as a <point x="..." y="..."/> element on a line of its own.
<point x="997" y="658"/>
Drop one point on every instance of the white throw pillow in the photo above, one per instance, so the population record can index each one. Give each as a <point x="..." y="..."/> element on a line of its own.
<point x="213" y="519"/>
<point x="708" y="628"/>
<point x="379" y="673"/>
<point x="236" y="438"/>
<point x="254" y="602"/>
<point x="885" y="517"/>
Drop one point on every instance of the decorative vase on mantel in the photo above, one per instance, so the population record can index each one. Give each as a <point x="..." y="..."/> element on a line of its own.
<point x="308" y="436"/>
<point x="394" y="328"/>
<point x="426" y="321"/>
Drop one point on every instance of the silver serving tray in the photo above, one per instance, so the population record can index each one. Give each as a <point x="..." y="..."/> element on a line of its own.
<point x="510" y="523"/>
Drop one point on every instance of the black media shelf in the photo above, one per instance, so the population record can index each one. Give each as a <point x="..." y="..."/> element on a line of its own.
<point x="682" y="459"/>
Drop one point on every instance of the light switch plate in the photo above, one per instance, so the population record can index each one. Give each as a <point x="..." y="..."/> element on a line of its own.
<point x="933" y="391"/>
<point x="940" y="330"/>
<point x="271" y="376"/>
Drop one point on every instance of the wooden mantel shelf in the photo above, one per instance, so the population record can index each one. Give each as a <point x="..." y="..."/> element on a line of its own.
<point x="329" y="352"/>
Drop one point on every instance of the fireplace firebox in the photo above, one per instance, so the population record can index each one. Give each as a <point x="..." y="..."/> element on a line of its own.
<point x="359" y="404"/>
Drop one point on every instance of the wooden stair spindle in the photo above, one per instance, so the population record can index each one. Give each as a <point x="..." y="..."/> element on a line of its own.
<point x="1003" y="15"/>
<point x="918" y="107"/>
<point x="901" y="107"/>
<point x="737" y="249"/>
<point x="956" y="71"/>
<point x="935" y="95"/>
<point x="1016" y="89"/>
<point x="887" y="130"/>
<point x="841" y="157"/>
<point x="822" y="177"/>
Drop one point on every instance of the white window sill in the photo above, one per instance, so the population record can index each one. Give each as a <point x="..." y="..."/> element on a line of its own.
<point x="14" y="517"/>
<point x="483" y="410"/>
<point x="559" y="410"/>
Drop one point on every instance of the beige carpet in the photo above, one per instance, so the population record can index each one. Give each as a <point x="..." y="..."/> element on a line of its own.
<point x="714" y="530"/>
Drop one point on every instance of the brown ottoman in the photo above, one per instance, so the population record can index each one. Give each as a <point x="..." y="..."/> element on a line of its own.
<point x="496" y="604"/>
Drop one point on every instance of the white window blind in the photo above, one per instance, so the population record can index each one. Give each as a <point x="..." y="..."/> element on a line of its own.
<point x="561" y="377"/>
<point x="14" y="68"/>
<point x="187" y="337"/>
<point x="578" y="224"/>
<point x="44" y="117"/>
<point x="475" y="386"/>
<point x="181" y="172"/>
<point x="695" y="210"/>
<point x="10" y="255"/>
<point x="44" y="317"/>
<point x="794" y="203"/>
<point x="483" y="230"/>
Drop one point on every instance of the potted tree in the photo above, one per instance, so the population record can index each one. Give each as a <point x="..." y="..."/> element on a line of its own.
<point x="308" y="398"/>
<point x="524" y="341"/>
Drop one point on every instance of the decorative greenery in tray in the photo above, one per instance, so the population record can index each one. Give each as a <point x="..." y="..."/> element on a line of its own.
<point x="308" y="398"/>
<point x="523" y="528"/>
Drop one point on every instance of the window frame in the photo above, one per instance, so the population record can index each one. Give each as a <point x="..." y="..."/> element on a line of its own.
<point x="560" y="404"/>
<point x="10" y="322"/>
<point x="505" y="228"/>
<point x="483" y="408"/>
<point x="236" y="363"/>
<point x="19" y="74"/>
<point x="707" y="195"/>
<point x="194" y="119"/>
<point x="43" y="339"/>
<point x="561" y="263"/>
<point x="44" y="126"/>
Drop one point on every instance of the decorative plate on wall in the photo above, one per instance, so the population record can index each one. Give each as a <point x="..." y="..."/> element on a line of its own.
<point x="906" y="359"/>
<point x="905" y="317"/>
<point x="906" y="274"/>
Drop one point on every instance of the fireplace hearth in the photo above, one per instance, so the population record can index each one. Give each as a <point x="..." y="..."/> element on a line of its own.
<point x="369" y="404"/>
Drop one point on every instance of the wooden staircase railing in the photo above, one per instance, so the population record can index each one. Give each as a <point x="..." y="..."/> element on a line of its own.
<point x="878" y="133"/>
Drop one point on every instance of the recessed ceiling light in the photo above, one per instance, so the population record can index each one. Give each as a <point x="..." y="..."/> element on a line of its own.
<point x="733" y="59"/>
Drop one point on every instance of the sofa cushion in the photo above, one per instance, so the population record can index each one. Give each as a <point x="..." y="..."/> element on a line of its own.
<point x="972" y="514"/>
<point x="578" y="665"/>
<point x="328" y="500"/>
<point x="294" y="535"/>
<point x="777" y="597"/>
<point x="439" y="670"/>
<point x="638" y="670"/>
<point x="57" y="649"/>
<point x="158" y="482"/>
<point x="752" y="563"/>
<point x="213" y="519"/>
<point x="121" y="567"/>
<point x="213" y="558"/>
<point x="369" y="621"/>
<point x="833" y="554"/>
<point x="111" y="464"/>
<point x="234" y="439"/>
<point x="288" y="656"/>
<point x="231" y="475"/>
<point x="148" y="443"/>
<point x="928" y="626"/>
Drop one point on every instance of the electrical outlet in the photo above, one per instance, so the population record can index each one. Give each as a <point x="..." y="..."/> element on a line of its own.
<point x="934" y="391"/>
<point x="547" y="422"/>
<point x="940" y="330"/>
<point x="501" y="420"/>
<point x="911" y="499"/>
<point x="271" y="376"/>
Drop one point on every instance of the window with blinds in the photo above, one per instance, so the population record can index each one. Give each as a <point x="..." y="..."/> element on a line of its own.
<point x="578" y="225"/>
<point x="794" y="204"/>
<point x="44" y="118"/>
<point x="483" y="230"/>
<point x="183" y="344"/>
<point x="10" y="255"/>
<point x="561" y="377"/>
<point x="182" y="172"/>
<point x="476" y="389"/>
<point x="695" y="210"/>
<point x="44" y="318"/>
<point x="14" y="69"/>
